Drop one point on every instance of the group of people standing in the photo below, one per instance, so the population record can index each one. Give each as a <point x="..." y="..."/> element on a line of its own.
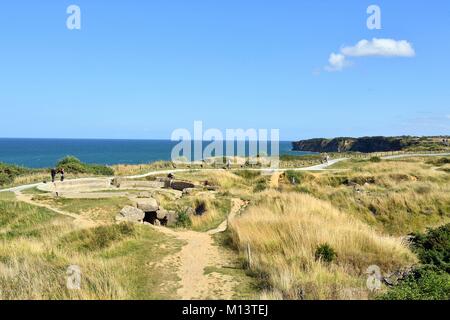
<point x="55" y="171"/>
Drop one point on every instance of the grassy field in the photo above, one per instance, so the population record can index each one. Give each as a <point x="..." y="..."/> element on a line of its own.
<point x="395" y="196"/>
<point x="312" y="235"/>
<point x="284" y="231"/>
<point x="95" y="209"/>
<point x="117" y="261"/>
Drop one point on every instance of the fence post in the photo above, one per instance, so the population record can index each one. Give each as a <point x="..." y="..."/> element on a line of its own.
<point x="249" y="256"/>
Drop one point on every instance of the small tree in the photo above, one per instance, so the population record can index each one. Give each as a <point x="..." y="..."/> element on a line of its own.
<point x="326" y="253"/>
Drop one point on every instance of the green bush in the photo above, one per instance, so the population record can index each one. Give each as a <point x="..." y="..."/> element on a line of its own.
<point x="75" y="166"/>
<point x="260" y="185"/>
<point x="423" y="284"/>
<point x="294" y="177"/>
<point x="5" y="179"/>
<point x="9" y="172"/>
<point x="325" y="253"/>
<point x="433" y="247"/>
<point x="375" y="159"/>
<point x="183" y="220"/>
<point x="439" y="161"/>
<point x="431" y="281"/>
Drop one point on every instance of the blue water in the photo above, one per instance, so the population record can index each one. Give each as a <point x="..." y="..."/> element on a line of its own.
<point x="44" y="153"/>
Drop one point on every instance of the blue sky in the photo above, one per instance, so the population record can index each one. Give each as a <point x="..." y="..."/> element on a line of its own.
<point x="141" y="69"/>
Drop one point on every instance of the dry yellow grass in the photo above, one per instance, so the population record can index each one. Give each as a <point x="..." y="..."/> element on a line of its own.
<point x="37" y="246"/>
<point x="133" y="169"/>
<point x="284" y="231"/>
<point x="397" y="197"/>
<point x="37" y="270"/>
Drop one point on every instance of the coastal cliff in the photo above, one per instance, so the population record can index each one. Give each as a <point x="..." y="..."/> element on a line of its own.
<point x="370" y="144"/>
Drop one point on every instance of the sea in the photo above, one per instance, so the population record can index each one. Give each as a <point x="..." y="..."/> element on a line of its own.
<point x="45" y="153"/>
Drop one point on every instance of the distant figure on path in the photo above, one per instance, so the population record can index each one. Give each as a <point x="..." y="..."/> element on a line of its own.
<point x="62" y="174"/>
<point x="53" y="173"/>
<point x="228" y="164"/>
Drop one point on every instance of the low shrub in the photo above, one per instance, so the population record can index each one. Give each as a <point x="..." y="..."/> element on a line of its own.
<point x="431" y="281"/>
<point x="8" y="172"/>
<point x="183" y="220"/>
<point x="75" y="166"/>
<point x="325" y="253"/>
<point x="423" y="284"/>
<point x="260" y="185"/>
<point x="433" y="247"/>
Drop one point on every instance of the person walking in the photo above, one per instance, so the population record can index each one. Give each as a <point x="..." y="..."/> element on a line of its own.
<point x="62" y="174"/>
<point x="53" y="174"/>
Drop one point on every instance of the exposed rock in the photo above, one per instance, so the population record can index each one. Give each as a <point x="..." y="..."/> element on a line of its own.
<point x="188" y="191"/>
<point x="365" y="144"/>
<point x="131" y="214"/>
<point x="147" y="204"/>
<point x="161" y="213"/>
<point x="172" y="218"/>
<point x="136" y="184"/>
<point x="393" y="278"/>
<point x="165" y="182"/>
<point x="181" y="185"/>
<point x="157" y="223"/>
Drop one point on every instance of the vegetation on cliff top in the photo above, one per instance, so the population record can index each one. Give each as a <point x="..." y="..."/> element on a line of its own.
<point x="373" y="144"/>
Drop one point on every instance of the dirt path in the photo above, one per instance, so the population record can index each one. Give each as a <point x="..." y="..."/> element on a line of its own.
<point x="275" y="180"/>
<point x="198" y="253"/>
<point x="79" y="221"/>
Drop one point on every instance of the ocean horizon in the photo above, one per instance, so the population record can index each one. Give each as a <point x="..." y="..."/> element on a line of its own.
<point x="46" y="152"/>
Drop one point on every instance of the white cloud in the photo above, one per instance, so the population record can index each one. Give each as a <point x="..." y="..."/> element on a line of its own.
<point x="374" y="48"/>
<point x="380" y="47"/>
<point x="336" y="62"/>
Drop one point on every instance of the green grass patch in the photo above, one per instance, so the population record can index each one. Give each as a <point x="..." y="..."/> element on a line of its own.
<point x="14" y="223"/>
<point x="144" y="276"/>
<point x="96" y="209"/>
<point x="73" y="165"/>
<point x="97" y="238"/>
<point x="7" y="196"/>
<point x="247" y="174"/>
<point x="34" y="191"/>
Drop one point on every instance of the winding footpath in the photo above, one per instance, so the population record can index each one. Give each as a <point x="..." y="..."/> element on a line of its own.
<point x="319" y="167"/>
<point x="199" y="253"/>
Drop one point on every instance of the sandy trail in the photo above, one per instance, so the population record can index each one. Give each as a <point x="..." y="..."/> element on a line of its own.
<point x="79" y="221"/>
<point x="200" y="252"/>
<point x="275" y="180"/>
